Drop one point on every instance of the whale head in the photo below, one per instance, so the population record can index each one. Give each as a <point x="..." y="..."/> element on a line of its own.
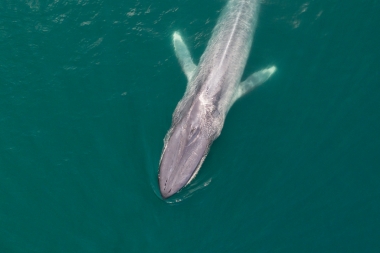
<point x="185" y="148"/>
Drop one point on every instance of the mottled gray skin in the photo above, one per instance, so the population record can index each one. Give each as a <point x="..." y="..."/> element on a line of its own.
<point x="199" y="117"/>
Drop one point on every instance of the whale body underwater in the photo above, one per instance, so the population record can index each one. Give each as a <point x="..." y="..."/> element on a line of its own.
<point x="213" y="87"/>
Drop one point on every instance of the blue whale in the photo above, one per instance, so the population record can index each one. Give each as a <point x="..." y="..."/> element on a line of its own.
<point x="213" y="87"/>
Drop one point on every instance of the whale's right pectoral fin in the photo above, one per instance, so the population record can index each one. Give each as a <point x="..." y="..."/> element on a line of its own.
<point x="252" y="82"/>
<point x="183" y="56"/>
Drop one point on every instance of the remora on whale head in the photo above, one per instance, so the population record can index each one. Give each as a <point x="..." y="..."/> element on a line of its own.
<point x="213" y="86"/>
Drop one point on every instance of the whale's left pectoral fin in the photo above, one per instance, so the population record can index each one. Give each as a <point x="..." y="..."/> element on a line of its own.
<point x="183" y="56"/>
<point x="252" y="82"/>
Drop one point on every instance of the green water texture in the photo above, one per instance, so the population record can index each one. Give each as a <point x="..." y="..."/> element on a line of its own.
<point x="87" y="91"/>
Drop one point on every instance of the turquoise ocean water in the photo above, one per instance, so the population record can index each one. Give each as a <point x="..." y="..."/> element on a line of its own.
<point x="87" y="89"/>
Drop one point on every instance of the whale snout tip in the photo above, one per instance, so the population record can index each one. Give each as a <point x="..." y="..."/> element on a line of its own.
<point x="167" y="189"/>
<point x="166" y="194"/>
